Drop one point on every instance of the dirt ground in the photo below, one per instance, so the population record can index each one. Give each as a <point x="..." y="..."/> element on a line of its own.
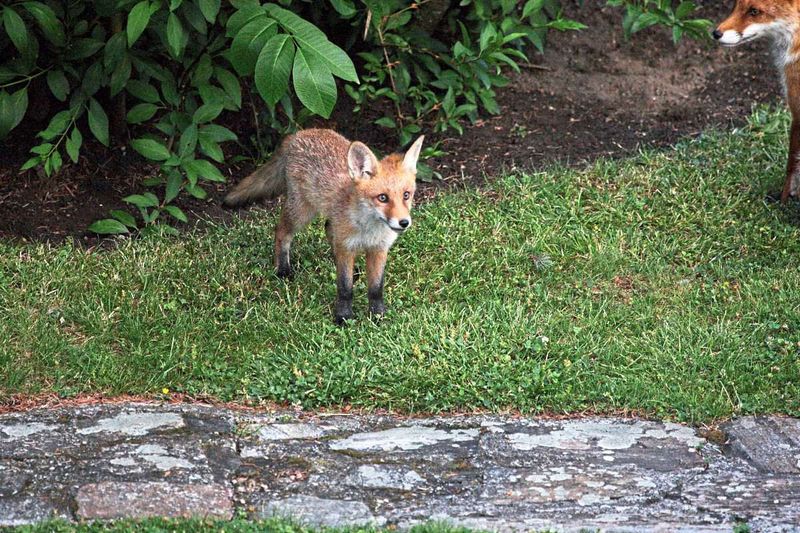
<point x="591" y="94"/>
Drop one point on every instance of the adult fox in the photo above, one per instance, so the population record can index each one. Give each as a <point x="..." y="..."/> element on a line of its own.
<point x="780" y="20"/>
<point x="367" y="204"/>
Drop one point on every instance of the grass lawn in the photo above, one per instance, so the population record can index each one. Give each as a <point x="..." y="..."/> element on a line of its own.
<point x="663" y="283"/>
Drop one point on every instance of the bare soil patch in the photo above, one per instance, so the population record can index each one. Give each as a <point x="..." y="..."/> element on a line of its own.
<point x="591" y="94"/>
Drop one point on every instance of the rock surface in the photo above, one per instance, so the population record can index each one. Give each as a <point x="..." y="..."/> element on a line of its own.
<point x="487" y="472"/>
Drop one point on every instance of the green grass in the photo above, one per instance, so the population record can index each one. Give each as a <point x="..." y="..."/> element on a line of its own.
<point x="663" y="283"/>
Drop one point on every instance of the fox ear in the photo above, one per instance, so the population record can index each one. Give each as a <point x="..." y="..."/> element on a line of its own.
<point x="412" y="155"/>
<point x="361" y="162"/>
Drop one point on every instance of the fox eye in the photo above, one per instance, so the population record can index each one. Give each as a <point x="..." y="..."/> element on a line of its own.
<point x="382" y="198"/>
<point x="406" y="195"/>
<point x="753" y="12"/>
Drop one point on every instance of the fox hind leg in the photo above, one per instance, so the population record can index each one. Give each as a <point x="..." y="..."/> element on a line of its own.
<point x="283" y="245"/>
<point x="291" y="222"/>
<point x="343" y="309"/>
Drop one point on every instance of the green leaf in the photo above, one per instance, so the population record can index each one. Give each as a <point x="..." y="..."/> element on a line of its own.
<point x="192" y="14"/>
<point x="138" y="19"/>
<point x="141" y="113"/>
<point x="12" y="109"/>
<point x="93" y="78"/>
<point x="684" y="10"/>
<point x="115" y="50"/>
<point x="645" y="20"/>
<point x="211" y="149"/>
<point x="204" y="169"/>
<point x="176" y="212"/>
<point x="55" y="161"/>
<point x="274" y="67"/>
<point x="120" y="76"/>
<point x="196" y="191"/>
<point x="188" y="141"/>
<point x="677" y="33"/>
<point x="98" y="122"/>
<point x="230" y="84"/>
<point x="313" y="84"/>
<point x="42" y="149"/>
<point x="15" y="28"/>
<point x="243" y="17"/>
<point x="207" y="113"/>
<point x="217" y="133"/>
<point x="532" y="6"/>
<point x="210" y="8"/>
<point x="386" y="122"/>
<point x="488" y="34"/>
<point x="174" y="183"/>
<point x="82" y="48"/>
<point x="30" y="163"/>
<point x="73" y="144"/>
<point x="143" y="91"/>
<point x="202" y="71"/>
<point x="248" y="43"/>
<point x="142" y="200"/>
<point x="177" y="38"/>
<point x="124" y="217"/>
<point x="58" y="84"/>
<point x="57" y="125"/>
<point x="566" y="25"/>
<point x="170" y="91"/>
<point x="151" y="149"/>
<point x="313" y="42"/>
<point x="211" y="94"/>
<point x="346" y="8"/>
<point x="46" y="18"/>
<point x="108" y="226"/>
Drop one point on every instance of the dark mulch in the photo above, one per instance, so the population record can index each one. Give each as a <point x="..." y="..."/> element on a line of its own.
<point x="590" y="95"/>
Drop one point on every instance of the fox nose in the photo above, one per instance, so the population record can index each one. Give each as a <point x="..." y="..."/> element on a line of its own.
<point x="716" y="34"/>
<point x="404" y="223"/>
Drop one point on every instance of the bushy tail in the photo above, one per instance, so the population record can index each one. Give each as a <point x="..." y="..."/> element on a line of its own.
<point x="267" y="182"/>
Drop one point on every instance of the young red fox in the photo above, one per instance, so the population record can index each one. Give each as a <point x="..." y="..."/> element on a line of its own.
<point x="780" y="20"/>
<point x="367" y="204"/>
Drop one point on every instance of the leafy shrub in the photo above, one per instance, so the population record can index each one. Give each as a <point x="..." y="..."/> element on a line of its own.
<point x="169" y="69"/>
<point x="641" y="14"/>
<point x="449" y="76"/>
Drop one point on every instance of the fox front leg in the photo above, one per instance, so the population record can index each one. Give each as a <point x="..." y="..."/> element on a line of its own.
<point x="343" y="309"/>
<point x="376" y="264"/>
<point x="791" y="187"/>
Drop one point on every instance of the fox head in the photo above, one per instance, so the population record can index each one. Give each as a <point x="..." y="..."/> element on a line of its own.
<point x="752" y="19"/>
<point x="385" y="188"/>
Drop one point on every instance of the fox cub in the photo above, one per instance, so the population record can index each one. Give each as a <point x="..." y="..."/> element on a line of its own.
<point x="367" y="204"/>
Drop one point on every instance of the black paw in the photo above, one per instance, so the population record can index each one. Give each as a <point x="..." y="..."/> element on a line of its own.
<point x="340" y="319"/>
<point x="377" y="309"/>
<point x="284" y="272"/>
<point x="343" y="312"/>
